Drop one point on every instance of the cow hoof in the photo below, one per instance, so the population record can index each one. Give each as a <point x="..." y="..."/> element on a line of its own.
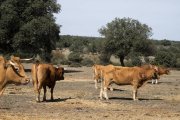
<point x="107" y="98"/>
<point x="136" y="99"/>
<point x="111" y="89"/>
<point x="37" y="101"/>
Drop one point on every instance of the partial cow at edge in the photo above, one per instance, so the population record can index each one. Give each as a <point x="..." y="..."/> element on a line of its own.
<point x="45" y="75"/>
<point x="12" y="72"/>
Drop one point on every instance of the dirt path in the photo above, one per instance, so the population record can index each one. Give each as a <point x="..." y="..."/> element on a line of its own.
<point x="77" y="99"/>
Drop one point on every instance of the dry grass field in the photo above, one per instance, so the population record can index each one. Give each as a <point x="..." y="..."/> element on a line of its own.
<point x="77" y="99"/>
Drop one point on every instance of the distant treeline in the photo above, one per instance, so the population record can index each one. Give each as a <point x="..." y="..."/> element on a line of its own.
<point x="166" y="52"/>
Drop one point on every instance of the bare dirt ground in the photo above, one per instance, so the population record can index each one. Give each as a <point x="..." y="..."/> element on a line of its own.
<point x="77" y="99"/>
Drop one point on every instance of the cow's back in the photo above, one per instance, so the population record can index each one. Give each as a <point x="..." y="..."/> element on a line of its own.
<point x="124" y="75"/>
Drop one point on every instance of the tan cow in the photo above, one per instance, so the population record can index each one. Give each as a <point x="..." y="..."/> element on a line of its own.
<point x="11" y="72"/>
<point x="45" y="75"/>
<point x="135" y="76"/>
<point x="98" y="71"/>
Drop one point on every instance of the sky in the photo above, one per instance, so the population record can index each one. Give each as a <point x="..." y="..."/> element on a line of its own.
<point x="86" y="17"/>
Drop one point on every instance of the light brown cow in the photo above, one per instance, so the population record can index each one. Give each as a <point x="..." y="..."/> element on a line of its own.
<point x="11" y="72"/>
<point x="135" y="76"/>
<point x="98" y="71"/>
<point x="45" y="75"/>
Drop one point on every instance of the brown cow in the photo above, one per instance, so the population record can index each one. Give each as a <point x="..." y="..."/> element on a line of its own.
<point x="135" y="76"/>
<point x="45" y="75"/>
<point x="98" y="71"/>
<point x="11" y="72"/>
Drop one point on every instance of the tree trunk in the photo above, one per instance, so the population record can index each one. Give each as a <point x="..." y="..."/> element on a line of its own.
<point x="122" y="60"/>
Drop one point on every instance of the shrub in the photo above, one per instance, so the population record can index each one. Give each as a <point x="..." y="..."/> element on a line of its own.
<point x="87" y="62"/>
<point x="165" y="58"/>
<point x="178" y="63"/>
<point x="136" y="61"/>
<point x="75" y="57"/>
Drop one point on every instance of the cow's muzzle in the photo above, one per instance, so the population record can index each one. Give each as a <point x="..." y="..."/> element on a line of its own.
<point x="25" y="81"/>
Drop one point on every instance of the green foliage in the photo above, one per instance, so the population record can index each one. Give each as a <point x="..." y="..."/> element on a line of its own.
<point x="75" y="57"/>
<point x="124" y="34"/>
<point x="166" y="42"/>
<point x="87" y="62"/>
<point x="135" y="59"/>
<point x="165" y="58"/>
<point x="178" y="63"/>
<point x="28" y="26"/>
<point x="145" y="47"/>
<point x="78" y="43"/>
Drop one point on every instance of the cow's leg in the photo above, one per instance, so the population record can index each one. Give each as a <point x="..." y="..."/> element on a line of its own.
<point x="106" y="84"/>
<point x="38" y="96"/>
<point x="110" y="87"/>
<point x="105" y="93"/>
<point x="44" y="97"/>
<point x="153" y="81"/>
<point x="135" y="93"/>
<point x="52" y="88"/>
<point x="95" y="81"/>
<point x="38" y="90"/>
<point x="101" y="91"/>
<point x="1" y="91"/>
<point x="156" y="81"/>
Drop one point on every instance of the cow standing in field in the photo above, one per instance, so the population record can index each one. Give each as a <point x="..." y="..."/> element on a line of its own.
<point x="45" y="75"/>
<point x="12" y="72"/>
<point x="135" y="76"/>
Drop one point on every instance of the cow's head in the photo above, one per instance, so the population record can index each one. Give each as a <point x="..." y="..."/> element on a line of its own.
<point x="15" y="72"/>
<point x="59" y="72"/>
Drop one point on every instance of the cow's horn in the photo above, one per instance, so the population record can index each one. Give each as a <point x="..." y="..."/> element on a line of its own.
<point x="12" y="63"/>
<point x="27" y="59"/>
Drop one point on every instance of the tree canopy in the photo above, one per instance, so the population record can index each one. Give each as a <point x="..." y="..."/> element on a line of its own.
<point x="28" y="25"/>
<point x="124" y="35"/>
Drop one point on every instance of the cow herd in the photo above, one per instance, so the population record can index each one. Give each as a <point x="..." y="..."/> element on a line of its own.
<point x="46" y="75"/>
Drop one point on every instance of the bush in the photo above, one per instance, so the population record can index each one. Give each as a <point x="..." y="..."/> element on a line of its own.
<point x="165" y="58"/>
<point x="136" y="61"/>
<point x="178" y="63"/>
<point x="87" y="62"/>
<point x="75" y="57"/>
<point x="74" y="64"/>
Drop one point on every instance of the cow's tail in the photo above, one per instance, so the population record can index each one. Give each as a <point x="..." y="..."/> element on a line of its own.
<point x="93" y="68"/>
<point x="34" y="75"/>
